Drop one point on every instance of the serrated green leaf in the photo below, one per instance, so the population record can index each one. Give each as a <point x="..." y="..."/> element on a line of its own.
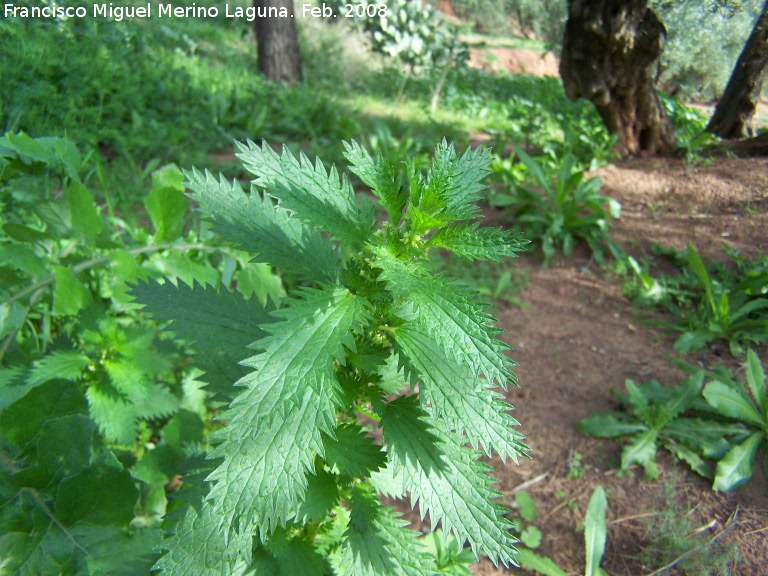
<point x="706" y="436"/>
<point x="458" y="321"/>
<point x="594" y="531"/>
<point x="217" y="323"/>
<point x="380" y="176"/>
<point x="352" y="453"/>
<point x="681" y="399"/>
<point x="457" y="180"/>
<point x="69" y="295"/>
<point x="640" y="403"/>
<point x="730" y="402"/>
<point x="321" y="496"/>
<point x="690" y="457"/>
<point x="12" y="386"/>
<point x="295" y="555"/>
<point x="67" y="365"/>
<point x="113" y="414"/>
<point x="309" y="192"/>
<point x="376" y="543"/>
<point x="469" y="241"/>
<point x="22" y="420"/>
<point x="85" y="217"/>
<point x="214" y="320"/>
<point x="288" y="402"/>
<point x="147" y="399"/>
<point x="166" y="204"/>
<point x="458" y="401"/>
<point x="736" y="467"/>
<point x="265" y="231"/>
<point x="642" y="451"/>
<point x="444" y="324"/>
<point x="446" y="480"/>
<point x="199" y="548"/>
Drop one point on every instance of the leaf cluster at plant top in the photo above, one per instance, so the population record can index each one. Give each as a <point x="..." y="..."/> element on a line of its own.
<point x="709" y="301"/>
<point x="727" y="422"/>
<point x="282" y="484"/>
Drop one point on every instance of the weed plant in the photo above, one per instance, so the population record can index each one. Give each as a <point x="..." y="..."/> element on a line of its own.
<point x="675" y="541"/>
<point x="725" y="421"/>
<point x="710" y="301"/>
<point x="562" y="213"/>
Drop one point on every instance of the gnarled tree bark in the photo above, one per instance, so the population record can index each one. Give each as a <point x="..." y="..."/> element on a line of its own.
<point x="610" y="50"/>
<point x="736" y="109"/>
<point x="277" y="43"/>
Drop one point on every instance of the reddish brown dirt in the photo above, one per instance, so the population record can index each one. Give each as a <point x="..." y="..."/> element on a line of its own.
<point x="578" y="337"/>
<point x="516" y="61"/>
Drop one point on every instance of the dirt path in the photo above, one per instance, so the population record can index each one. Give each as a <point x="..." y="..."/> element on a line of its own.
<point x="579" y="336"/>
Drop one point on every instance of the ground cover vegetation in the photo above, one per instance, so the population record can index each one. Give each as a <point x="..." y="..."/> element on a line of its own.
<point x="126" y="316"/>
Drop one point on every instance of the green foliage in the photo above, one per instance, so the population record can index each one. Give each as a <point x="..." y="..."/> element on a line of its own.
<point x="450" y="560"/>
<point x="281" y="481"/>
<point x="650" y="418"/>
<point x="68" y="502"/>
<point x="730" y="398"/>
<point x="164" y="89"/>
<point x="66" y="313"/>
<point x="409" y="32"/>
<point x="594" y="538"/>
<point x="710" y="301"/>
<point x="544" y="19"/>
<point x="689" y="125"/>
<point x="98" y="410"/>
<point x="727" y="422"/>
<point x="704" y="40"/>
<point x="565" y="213"/>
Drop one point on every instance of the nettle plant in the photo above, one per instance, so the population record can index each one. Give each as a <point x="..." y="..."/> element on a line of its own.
<point x="372" y="344"/>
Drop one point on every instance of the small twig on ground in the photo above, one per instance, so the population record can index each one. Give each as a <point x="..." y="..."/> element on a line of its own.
<point x="755" y="531"/>
<point x="634" y="517"/>
<point x="529" y="483"/>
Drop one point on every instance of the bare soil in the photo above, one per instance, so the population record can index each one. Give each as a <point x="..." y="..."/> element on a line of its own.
<point x="578" y="337"/>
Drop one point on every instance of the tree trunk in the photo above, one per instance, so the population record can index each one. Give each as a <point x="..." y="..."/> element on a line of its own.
<point x="610" y="50"/>
<point x="279" y="57"/>
<point x="736" y="109"/>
